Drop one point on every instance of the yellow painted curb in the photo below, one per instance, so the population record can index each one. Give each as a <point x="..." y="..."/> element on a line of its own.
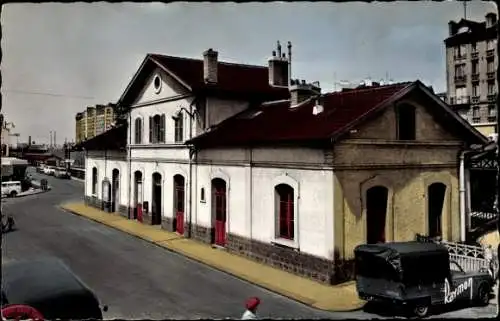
<point x="188" y="248"/>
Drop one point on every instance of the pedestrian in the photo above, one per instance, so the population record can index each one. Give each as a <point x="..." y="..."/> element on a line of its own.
<point x="251" y="309"/>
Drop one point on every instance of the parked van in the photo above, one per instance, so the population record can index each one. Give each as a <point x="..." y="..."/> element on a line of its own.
<point x="11" y="188"/>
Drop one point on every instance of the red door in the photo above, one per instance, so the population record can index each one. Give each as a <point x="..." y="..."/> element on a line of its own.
<point x="220" y="215"/>
<point x="179" y="198"/>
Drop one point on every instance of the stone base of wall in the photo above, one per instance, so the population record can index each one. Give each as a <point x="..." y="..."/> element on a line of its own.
<point x="326" y="271"/>
<point x="93" y="201"/>
<point x="168" y="223"/>
<point x="124" y="210"/>
<point x="203" y="234"/>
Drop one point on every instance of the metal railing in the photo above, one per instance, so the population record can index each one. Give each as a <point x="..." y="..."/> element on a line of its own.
<point x="484" y="215"/>
<point x="469" y="257"/>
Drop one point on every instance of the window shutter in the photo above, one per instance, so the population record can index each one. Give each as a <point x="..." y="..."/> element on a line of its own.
<point x="150" y="129"/>
<point x="162" y="128"/>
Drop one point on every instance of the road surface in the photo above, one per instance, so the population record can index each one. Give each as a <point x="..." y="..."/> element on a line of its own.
<point x="139" y="280"/>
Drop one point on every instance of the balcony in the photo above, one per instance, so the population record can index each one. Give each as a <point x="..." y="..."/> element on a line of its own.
<point x="476" y="119"/>
<point x="475" y="77"/>
<point x="459" y="57"/>
<point x="492" y="97"/>
<point x="460" y="100"/>
<point x="490" y="75"/>
<point x="474" y="55"/>
<point x="475" y="99"/>
<point x="490" y="53"/>
<point x="460" y="80"/>
<point x="492" y="119"/>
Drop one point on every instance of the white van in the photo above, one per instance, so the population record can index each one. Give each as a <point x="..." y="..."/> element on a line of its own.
<point x="11" y="188"/>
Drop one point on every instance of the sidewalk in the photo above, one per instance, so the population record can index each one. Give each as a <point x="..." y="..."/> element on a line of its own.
<point x="338" y="298"/>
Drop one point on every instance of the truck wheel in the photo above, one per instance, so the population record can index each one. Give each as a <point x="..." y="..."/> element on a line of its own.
<point x="421" y="310"/>
<point x="483" y="295"/>
<point x="13" y="194"/>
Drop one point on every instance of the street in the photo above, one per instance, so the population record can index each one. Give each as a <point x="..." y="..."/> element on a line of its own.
<point x="139" y="280"/>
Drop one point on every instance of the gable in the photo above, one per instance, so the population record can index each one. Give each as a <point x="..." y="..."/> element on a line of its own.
<point x="435" y="120"/>
<point x="158" y="85"/>
<point x="383" y="126"/>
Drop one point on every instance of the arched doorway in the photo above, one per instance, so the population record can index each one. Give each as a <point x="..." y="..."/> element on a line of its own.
<point x="376" y="212"/>
<point x="219" y="214"/>
<point x="138" y="196"/>
<point x="115" y="190"/>
<point x="435" y="201"/>
<point x="179" y="204"/>
<point x="156" y="200"/>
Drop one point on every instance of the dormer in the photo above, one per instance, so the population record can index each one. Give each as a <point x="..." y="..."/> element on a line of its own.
<point x="491" y="19"/>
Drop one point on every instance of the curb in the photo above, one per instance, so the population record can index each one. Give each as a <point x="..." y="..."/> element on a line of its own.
<point x="295" y="297"/>
<point x="38" y="192"/>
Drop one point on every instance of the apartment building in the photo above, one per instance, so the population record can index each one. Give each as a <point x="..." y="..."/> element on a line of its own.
<point x="94" y="121"/>
<point x="471" y="62"/>
<point x="79" y="127"/>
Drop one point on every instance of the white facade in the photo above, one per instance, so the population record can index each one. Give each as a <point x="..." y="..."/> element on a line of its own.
<point x="250" y="190"/>
<point x="251" y="210"/>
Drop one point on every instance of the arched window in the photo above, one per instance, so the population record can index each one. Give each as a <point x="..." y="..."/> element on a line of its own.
<point x="406" y="122"/>
<point x="179" y="128"/>
<point x="138" y="130"/>
<point x="435" y="200"/>
<point x="376" y="214"/>
<point x="285" y="213"/>
<point x="94" y="180"/>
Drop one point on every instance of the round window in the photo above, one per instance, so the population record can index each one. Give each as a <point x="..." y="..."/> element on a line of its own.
<point x="157" y="83"/>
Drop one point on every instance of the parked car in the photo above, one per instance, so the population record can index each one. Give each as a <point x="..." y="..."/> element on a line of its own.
<point x="46" y="288"/>
<point x="40" y="168"/>
<point x="61" y="173"/>
<point x="49" y="170"/>
<point x="11" y="188"/>
<point x="417" y="275"/>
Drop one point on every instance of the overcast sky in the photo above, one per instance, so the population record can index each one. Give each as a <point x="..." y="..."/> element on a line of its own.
<point x="86" y="53"/>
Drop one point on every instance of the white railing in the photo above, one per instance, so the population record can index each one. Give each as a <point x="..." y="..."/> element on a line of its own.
<point x="469" y="257"/>
<point x="484" y="215"/>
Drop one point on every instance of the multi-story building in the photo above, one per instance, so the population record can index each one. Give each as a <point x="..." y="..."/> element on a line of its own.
<point x="94" y="121"/>
<point x="471" y="61"/>
<point x="80" y="127"/>
<point x="90" y="124"/>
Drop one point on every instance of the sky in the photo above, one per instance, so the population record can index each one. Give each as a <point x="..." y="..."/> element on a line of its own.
<point x="60" y="58"/>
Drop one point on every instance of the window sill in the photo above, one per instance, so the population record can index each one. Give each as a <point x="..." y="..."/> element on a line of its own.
<point x="285" y="243"/>
<point x="203" y="201"/>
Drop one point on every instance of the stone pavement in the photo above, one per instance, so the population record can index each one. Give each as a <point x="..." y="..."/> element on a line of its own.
<point x="337" y="298"/>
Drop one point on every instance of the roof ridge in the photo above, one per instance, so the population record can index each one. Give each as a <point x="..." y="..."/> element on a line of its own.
<point x="201" y="60"/>
<point x="368" y="88"/>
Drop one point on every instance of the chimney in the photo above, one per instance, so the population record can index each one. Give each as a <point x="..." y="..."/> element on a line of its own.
<point x="279" y="68"/>
<point x="491" y="19"/>
<point x="301" y="91"/>
<point x="50" y="143"/>
<point x="451" y="28"/>
<point x="210" y="66"/>
<point x="29" y="140"/>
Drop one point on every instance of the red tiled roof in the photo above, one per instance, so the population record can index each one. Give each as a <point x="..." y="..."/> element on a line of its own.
<point x="277" y="122"/>
<point x="232" y="78"/>
<point x="113" y="139"/>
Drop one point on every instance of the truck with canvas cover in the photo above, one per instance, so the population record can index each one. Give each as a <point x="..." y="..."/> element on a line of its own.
<point x="417" y="275"/>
